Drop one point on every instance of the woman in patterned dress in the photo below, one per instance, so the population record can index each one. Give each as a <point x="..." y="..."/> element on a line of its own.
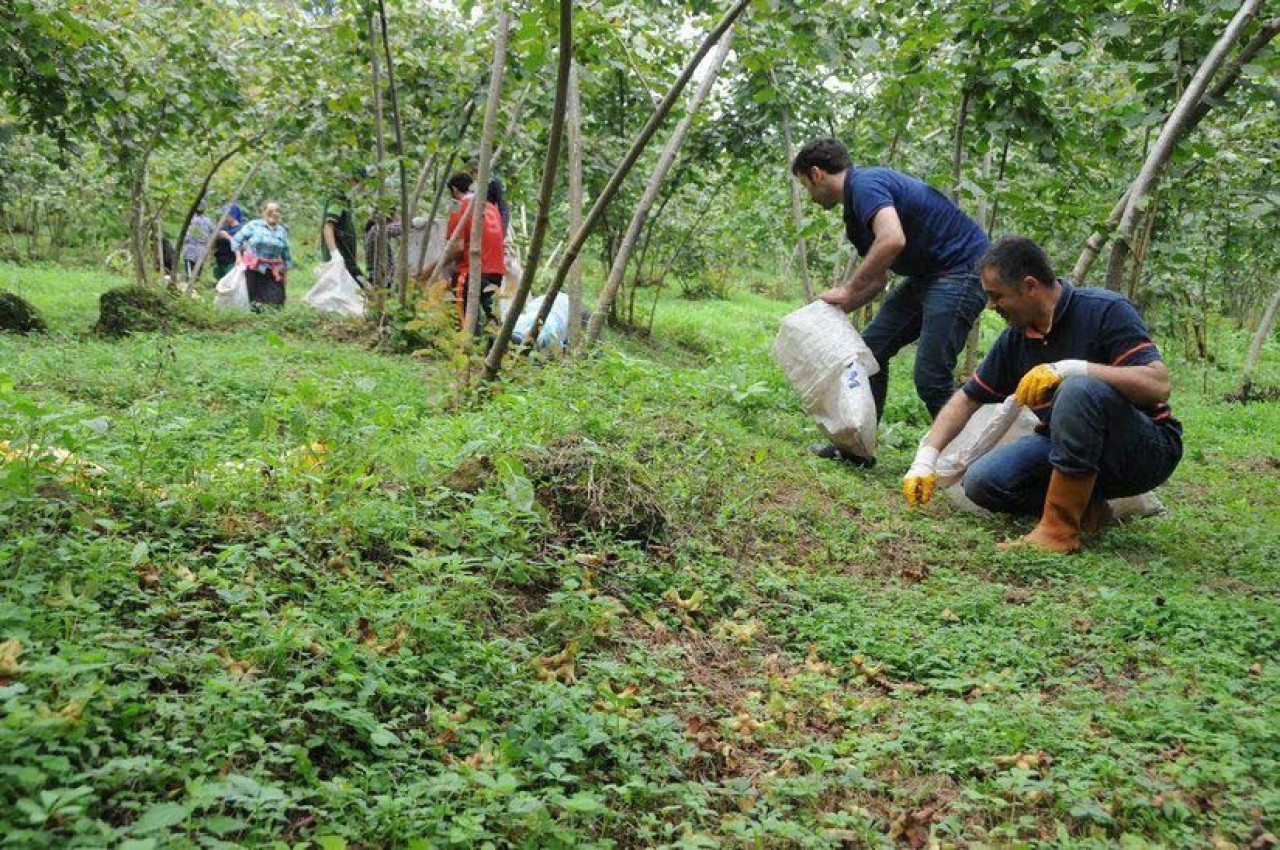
<point x="262" y="247"/>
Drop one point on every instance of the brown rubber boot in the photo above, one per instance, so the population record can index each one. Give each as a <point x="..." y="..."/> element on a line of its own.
<point x="1065" y="506"/>
<point x="1097" y="516"/>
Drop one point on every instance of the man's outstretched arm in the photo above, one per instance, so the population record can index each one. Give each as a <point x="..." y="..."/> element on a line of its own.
<point x="872" y="274"/>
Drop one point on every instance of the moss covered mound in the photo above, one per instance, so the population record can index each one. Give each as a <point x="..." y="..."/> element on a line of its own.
<point x="17" y="315"/>
<point x="132" y="309"/>
<point x="588" y="488"/>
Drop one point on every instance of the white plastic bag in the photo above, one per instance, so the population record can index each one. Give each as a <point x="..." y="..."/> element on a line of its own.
<point x="335" y="290"/>
<point x="995" y="425"/>
<point x="232" y="291"/>
<point x="555" y="330"/>
<point x="829" y="365"/>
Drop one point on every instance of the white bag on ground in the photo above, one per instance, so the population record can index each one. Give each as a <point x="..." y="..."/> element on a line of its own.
<point x="232" y="291"/>
<point x="335" y="290"/>
<point x="995" y="425"/>
<point x="829" y="365"/>
<point x="555" y="330"/>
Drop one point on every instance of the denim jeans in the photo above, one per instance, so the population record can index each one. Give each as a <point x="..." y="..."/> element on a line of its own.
<point x="1092" y="428"/>
<point x="937" y="312"/>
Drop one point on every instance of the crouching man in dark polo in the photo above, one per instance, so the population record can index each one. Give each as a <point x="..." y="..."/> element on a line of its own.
<point x="1083" y="362"/>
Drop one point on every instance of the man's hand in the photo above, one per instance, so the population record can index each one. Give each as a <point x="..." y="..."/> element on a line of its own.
<point x="841" y="296"/>
<point x="918" y="483"/>
<point x="1034" y="388"/>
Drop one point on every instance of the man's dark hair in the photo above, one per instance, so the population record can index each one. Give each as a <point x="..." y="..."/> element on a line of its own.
<point x="460" y="182"/>
<point x="827" y="154"/>
<point x="1017" y="257"/>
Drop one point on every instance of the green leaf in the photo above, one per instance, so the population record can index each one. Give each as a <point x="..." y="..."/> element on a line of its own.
<point x="584" y="803"/>
<point x="140" y="551"/>
<point x="160" y="816"/>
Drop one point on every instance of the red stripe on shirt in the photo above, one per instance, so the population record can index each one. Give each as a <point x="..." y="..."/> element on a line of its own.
<point x="984" y="384"/>
<point x="1132" y="351"/>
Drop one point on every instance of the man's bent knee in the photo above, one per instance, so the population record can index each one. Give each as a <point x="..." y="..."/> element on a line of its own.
<point x="1082" y="392"/>
<point x="987" y="490"/>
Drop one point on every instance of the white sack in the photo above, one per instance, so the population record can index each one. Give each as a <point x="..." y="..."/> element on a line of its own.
<point x="335" y="290"/>
<point x="232" y="291"/>
<point x="829" y="366"/>
<point x="555" y="330"/>
<point x="995" y="425"/>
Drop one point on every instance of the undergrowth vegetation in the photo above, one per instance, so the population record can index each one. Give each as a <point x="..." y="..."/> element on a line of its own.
<point x="261" y="584"/>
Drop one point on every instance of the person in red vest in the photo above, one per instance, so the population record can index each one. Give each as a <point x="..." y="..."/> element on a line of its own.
<point x="493" y="265"/>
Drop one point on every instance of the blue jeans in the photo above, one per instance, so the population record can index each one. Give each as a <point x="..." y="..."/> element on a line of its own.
<point x="1092" y="428"/>
<point x="938" y="313"/>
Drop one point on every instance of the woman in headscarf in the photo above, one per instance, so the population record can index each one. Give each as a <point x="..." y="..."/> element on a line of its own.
<point x="262" y="247"/>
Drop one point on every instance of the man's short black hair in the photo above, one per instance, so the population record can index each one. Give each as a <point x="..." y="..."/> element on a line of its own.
<point x="827" y="154"/>
<point x="1015" y="258"/>
<point x="460" y="182"/>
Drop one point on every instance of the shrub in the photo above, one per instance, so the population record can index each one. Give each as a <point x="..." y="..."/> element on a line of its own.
<point x="131" y="309"/>
<point x="17" y="315"/>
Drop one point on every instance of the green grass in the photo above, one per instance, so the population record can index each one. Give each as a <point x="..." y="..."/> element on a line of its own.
<point x="276" y="616"/>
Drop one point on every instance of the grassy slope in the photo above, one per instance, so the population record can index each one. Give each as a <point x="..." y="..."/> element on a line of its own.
<point x="228" y="638"/>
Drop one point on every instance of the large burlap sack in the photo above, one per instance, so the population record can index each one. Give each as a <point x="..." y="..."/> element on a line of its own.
<point x="995" y="425"/>
<point x="232" y="291"/>
<point x="829" y="366"/>
<point x="335" y="290"/>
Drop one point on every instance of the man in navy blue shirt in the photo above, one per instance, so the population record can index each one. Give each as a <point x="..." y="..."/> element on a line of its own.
<point x="900" y="224"/>
<point x="1083" y="362"/>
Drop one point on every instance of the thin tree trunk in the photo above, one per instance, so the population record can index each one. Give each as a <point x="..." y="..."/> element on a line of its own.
<point x="138" y="226"/>
<point x="1259" y="339"/>
<point x="957" y="153"/>
<point x="576" y="193"/>
<point x="797" y="205"/>
<point x="660" y="171"/>
<point x="235" y="198"/>
<point x="402" y="254"/>
<point x="380" y="231"/>
<point x="195" y="203"/>
<point x="611" y="188"/>
<point x="479" y="196"/>
<point x="985" y="219"/>
<point x="1143" y="248"/>
<point x="157" y="233"/>
<point x="1175" y="128"/>
<point x="493" y="362"/>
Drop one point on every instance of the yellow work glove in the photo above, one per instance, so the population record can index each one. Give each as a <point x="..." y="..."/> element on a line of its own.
<point x="918" y="483"/>
<point x="1034" y="388"/>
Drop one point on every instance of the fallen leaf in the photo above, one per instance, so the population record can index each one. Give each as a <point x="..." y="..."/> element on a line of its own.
<point x="237" y="668"/>
<point x="912" y="828"/>
<point x="10" y="650"/>
<point x="1025" y="761"/>
<point x="916" y="574"/>
<point x="72" y="710"/>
